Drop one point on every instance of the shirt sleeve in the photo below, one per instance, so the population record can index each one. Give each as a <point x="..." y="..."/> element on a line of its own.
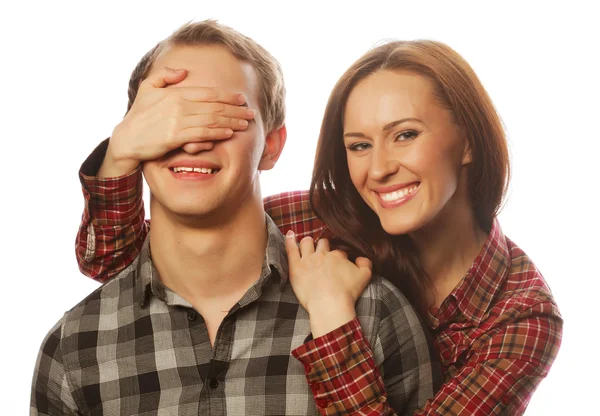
<point x="50" y="392"/>
<point x="341" y="372"/>
<point x="113" y="226"/>
<point x="293" y="211"/>
<point x="410" y="367"/>
<point x="506" y="365"/>
<point x="505" y="369"/>
<point x="345" y="379"/>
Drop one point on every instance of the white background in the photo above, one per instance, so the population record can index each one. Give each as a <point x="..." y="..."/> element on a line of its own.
<point x="64" y="74"/>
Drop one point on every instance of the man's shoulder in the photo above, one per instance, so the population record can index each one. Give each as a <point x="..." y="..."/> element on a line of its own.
<point x="382" y="290"/>
<point x="84" y="318"/>
<point x="107" y="300"/>
<point x="383" y="306"/>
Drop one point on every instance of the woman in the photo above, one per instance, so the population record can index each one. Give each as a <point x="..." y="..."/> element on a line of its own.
<point x="411" y="168"/>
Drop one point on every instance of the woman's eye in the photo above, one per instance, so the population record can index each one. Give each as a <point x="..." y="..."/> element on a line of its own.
<point x="357" y="147"/>
<point x="406" y="135"/>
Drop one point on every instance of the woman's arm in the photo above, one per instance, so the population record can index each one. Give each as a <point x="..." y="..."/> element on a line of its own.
<point x="340" y="365"/>
<point x="505" y="367"/>
<point x="113" y="228"/>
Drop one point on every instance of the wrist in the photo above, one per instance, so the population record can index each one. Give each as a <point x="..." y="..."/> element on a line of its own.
<point x="326" y="317"/>
<point x="114" y="164"/>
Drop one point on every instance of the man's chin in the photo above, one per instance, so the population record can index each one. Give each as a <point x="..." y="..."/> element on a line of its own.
<point x="186" y="211"/>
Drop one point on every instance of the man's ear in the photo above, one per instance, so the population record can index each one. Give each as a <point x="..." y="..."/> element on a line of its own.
<point x="274" y="143"/>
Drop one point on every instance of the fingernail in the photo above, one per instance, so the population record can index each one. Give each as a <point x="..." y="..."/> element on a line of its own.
<point x="250" y="112"/>
<point x="228" y="132"/>
<point x="241" y="99"/>
<point x="243" y="123"/>
<point x="179" y="71"/>
<point x="289" y="234"/>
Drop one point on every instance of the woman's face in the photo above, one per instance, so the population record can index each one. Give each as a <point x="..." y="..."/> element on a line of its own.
<point x="406" y="157"/>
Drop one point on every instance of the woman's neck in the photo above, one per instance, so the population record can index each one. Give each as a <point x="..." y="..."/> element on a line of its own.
<point x="448" y="245"/>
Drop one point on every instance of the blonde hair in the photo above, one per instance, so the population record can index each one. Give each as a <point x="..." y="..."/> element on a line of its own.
<point x="271" y="93"/>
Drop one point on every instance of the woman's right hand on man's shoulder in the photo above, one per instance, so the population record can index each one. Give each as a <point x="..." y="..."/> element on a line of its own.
<point x="325" y="282"/>
<point x="162" y="119"/>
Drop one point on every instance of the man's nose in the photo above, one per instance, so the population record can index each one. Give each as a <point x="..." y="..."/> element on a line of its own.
<point x="193" y="148"/>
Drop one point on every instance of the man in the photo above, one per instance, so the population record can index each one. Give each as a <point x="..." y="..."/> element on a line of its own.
<point x="204" y="321"/>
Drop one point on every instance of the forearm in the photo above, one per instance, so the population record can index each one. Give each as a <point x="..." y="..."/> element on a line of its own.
<point x="342" y="373"/>
<point x="115" y="164"/>
<point x="113" y="226"/>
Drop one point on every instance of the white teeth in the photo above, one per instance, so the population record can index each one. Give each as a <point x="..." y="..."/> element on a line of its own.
<point x="182" y="169"/>
<point x="198" y="170"/>
<point x="392" y="196"/>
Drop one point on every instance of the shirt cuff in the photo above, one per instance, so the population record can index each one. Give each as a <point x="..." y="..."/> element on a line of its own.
<point x="341" y="371"/>
<point x="110" y="201"/>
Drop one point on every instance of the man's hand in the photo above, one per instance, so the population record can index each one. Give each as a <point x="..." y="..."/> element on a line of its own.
<point x="163" y="119"/>
<point x="325" y="282"/>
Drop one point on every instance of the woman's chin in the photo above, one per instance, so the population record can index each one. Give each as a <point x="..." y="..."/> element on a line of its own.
<point x="399" y="227"/>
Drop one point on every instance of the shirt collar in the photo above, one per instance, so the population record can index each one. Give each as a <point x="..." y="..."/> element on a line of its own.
<point x="148" y="280"/>
<point x="483" y="280"/>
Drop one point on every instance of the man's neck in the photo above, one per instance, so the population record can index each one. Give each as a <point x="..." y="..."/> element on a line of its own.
<point x="210" y="262"/>
<point x="448" y="246"/>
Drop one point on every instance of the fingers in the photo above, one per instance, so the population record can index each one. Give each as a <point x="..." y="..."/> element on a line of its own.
<point x="292" y="249"/>
<point x="163" y="77"/>
<point x="307" y="246"/>
<point x="197" y="134"/>
<point x="364" y="262"/>
<point x="213" y="121"/>
<point x="223" y="109"/>
<point x="340" y="253"/>
<point x="323" y="245"/>
<point x="365" y="265"/>
<point x="213" y="95"/>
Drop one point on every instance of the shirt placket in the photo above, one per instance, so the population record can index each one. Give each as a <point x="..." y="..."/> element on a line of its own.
<point x="213" y="363"/>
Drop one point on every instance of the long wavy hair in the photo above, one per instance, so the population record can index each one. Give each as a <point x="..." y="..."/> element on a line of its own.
<point x="338" y="204"/>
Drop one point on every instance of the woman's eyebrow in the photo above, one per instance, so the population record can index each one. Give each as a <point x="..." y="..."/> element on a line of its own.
<point x="387" y="127"/>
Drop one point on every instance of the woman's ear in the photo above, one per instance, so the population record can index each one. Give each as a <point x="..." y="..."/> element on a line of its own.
<point x="467" y="157"/>
<point x="274" y="143"/>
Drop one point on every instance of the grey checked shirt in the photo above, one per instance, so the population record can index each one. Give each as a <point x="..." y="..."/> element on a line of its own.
<point x="134" y="347"/>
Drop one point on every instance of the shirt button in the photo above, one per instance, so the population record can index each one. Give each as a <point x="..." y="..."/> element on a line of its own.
<point x="213" y="383"/>
<point x="322" y="403"/>
<point x="192" y="315"/>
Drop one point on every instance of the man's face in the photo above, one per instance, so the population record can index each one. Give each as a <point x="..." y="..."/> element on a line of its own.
<point x="220" y="180"/>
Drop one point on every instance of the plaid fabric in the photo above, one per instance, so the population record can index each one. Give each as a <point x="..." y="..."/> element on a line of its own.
<point x="498" y="333"/>
<point x="113" y="227"/>
<point x="134" y="347"/>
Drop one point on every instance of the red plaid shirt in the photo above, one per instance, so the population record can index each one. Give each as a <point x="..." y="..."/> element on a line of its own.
<point x="497" y="333"/>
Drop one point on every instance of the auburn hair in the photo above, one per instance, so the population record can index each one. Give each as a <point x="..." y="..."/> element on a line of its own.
<point x="338" y="204"/>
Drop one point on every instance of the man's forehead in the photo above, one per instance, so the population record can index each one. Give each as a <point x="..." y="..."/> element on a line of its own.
<point x="209" y="65"/>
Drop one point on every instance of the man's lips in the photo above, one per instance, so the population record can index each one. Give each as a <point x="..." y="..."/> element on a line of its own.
<point x="193" y="169"/>
<point x="193" y="163"/>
